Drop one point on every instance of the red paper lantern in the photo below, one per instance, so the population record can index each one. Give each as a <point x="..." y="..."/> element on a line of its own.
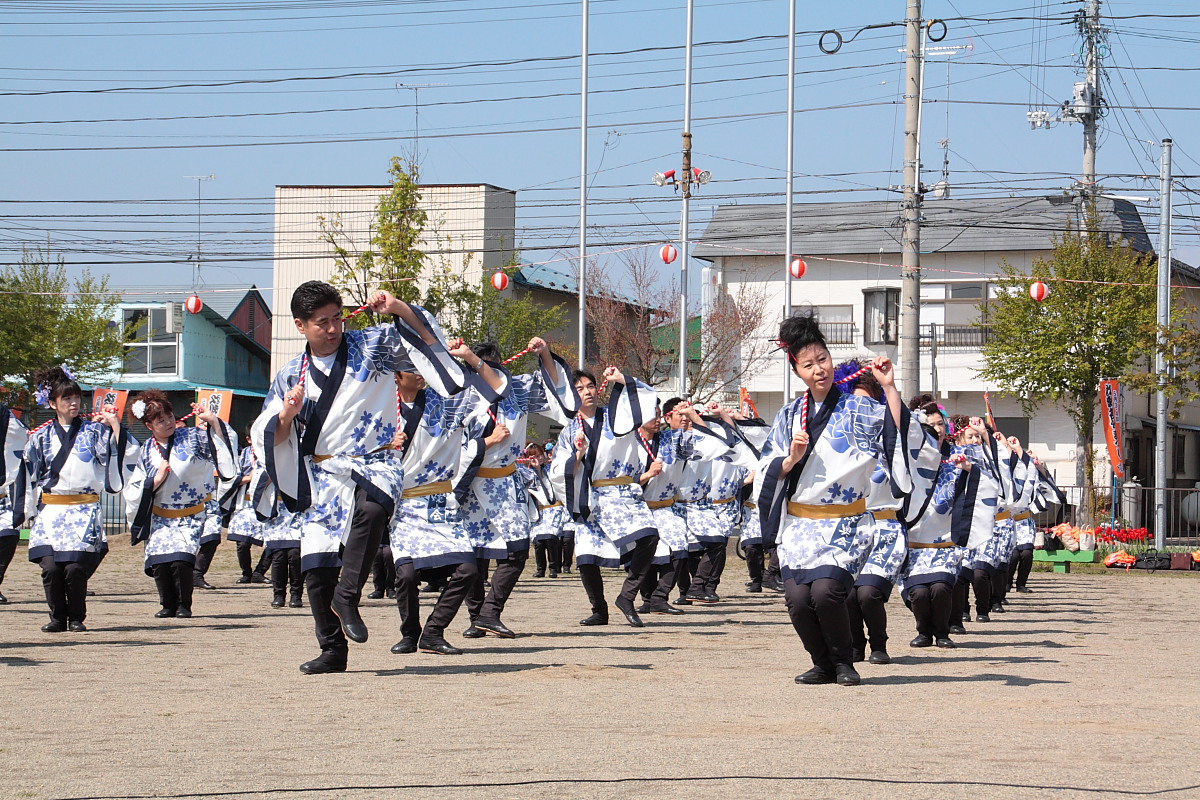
<point x="194" y="304"/>
<point x="1039" y="291"/>
<point x="500" y="281"/>
<point x="668" y="253"/>
<point x="798" y="268"/>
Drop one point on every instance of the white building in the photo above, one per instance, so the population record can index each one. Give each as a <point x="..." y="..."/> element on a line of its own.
<point x="470" y="229"/>
<point x="852" y="251"/>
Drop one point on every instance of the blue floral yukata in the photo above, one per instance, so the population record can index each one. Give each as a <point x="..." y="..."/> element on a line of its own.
<point x="13" y="438"/>
<point x="244" y="525"/>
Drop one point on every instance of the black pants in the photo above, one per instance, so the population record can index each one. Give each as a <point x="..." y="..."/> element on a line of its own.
<point x="639" y="562"/>
<point x="65" y="583"/>
<point x="367" y="527"/>
<point x="568" y="551"/>
<point x="548" y="550"/>
<point x="204" y="558"/>
<point x="8" y="546"/>
<point x="285" y="572"/>
<point x="504" y="579"/>
<point x="762" y="562"/>
<point x="708" y="571"/>
<point x="321" y="583"/>
<point x="958" y="600"/>
<point x="999" y="584"/>
<point x="866" y="605"/>
<point x="981" y="583"/>
<point x="448" y="602"/>
<point x="383" y="570"/>
<point x="174" y="582"/>
<point x="818" y="613"/>
<point x="244" y="558"/>
<point x="1018" y="569"/>
<point x="931" y="607"/>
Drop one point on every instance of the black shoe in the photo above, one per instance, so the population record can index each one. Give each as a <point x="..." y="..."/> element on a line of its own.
<point x="997" y="608"/>
<point x="438" y="645"/>
<point x="54" y="626"/>
<point x="201" y="583"/>
<point x="773" y="583"/>
<point x="1004" y="600"/>
<point x="277" y="601"/>
<point x="553" y="574"/>
<point x="183" y="613"/>
<point x="595" y="619"/>
<point x="754" y="588"/>
<point x="631" y="616"/>
<point x="89" y="593"/>
<point x="76" y="627"/>
<point x="1024" y="590"/>
<point x="352" y="624"/>
<point x="921" y="641"/>
<point x="474" y="633"/>
<point x="567" y="570"/>
<point x="164" y="613"/>
<point x="682" y="601"/>
<point x="652" y="607"/>
<point x="712" y="597"/>
<point x="859" y="655"/>
<point x="982" y="618"/>
<point x="391" y="594"/>
<point x="3" y="599"/>
<point x="815" y="676"/>
<point x="946" y="642"/>
<point x="406" y="645"/>
<point x="259" y="578"/>
<point x="322" y="666"/>
<point x="429" y="587"/>
<point x="243" y="580"/>
<point x="376" y="595"/>
<point x="958" y="630"/>
<point x="295" y="602"/>
<point x="847" y="675"/>
<point x="880" y="657"/>
<point x="539" y="574"/>
<point x="494" y="626"/>
<point x="966" y="616"/>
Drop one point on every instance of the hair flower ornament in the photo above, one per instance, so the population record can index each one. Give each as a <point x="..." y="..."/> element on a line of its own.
<point x="138" y="409"/>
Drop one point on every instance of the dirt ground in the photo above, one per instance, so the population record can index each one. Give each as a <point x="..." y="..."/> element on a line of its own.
<point x="1087" y="687"/>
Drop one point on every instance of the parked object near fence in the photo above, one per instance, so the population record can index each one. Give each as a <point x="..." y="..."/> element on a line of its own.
<point x="1063" y="559"/>
<point x="1189" y="508"/>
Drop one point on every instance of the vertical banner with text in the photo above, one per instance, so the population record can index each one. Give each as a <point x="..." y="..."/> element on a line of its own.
<point x="106" y="398"/>
<point x="1111" y="413"/>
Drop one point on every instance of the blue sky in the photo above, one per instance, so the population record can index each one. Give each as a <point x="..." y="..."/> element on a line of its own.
<point x="501" y="105"/>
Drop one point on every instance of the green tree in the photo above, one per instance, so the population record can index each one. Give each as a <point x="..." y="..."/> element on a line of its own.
<point x="48" y="320"/>
<point x="1097" y="323"/>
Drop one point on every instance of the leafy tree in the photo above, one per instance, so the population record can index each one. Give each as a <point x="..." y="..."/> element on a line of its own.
<point x="48" y="321"/>
<point x="1097" y="323"/>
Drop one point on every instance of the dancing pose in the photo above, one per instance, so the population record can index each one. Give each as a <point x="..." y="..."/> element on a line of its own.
<point x="13" y="437"/>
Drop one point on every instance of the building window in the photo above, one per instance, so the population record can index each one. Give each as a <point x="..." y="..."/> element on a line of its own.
<point x="881" y="306"/>
<point x="1179" y="453"/>
<point x="837" y="323"/>
<point x="149" y="349"/>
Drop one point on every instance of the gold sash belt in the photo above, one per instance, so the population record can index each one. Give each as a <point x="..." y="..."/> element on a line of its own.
<point x="1003" y="515"/>
<point x="177" y="513"/>
<point x="438" y="487"/>
<point x="750" y="505"/>
<point x="827" y="511"/>
<point x="548" y="505"/>
<point x="653" y="504"/>
<point x="927" y="545"/>
<point x="496" y="472"/>
<point x="624" y="480"/>
<point x="69" y="499"/>
<point x="317" y="459"/>
<point x="1022" y="515"/>
<point x="723" y="502"/>
<point x="884" y="513"/>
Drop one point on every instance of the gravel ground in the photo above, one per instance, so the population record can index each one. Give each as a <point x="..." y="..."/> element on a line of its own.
<point x="1086" y="687"/>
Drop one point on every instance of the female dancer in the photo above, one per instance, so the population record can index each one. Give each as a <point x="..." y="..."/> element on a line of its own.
<point x="13" y="438"/>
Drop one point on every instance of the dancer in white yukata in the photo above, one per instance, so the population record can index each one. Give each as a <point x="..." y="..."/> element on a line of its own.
<point x="662" y="467"/>
<point x="599" y="453"/>
<point x="980" y="515"/>
<point x="547" y="513"/>
<point x="245" y="529"/>
<point x="69" y="462"/>
<point x="13" y="437"/>
<point x="324" y="437"/>
<point x="1045" y="495"/>
<point x="166" y="498"/>
<point x="817" y="469"/>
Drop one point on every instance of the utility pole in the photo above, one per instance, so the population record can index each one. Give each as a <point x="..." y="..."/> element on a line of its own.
<point x="910" y="274"/>
<point x="199" y="179"/>
<point x="788" y="190"/>
<point x="416" y="88"/>
<point x="583" y="184"/>
<point x="687" y="196"/>
<point x="1088" y="100"/>
<point x="1162" y="442"/>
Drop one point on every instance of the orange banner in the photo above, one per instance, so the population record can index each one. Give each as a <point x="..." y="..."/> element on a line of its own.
<point x="103" y="398"/>
<point x="218" y="402"/>
<point x="1111" y="412"/>
<point x="748" y="407"/>
<point x="987" y="404"/>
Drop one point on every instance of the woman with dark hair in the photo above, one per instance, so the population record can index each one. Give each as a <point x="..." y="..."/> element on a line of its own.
<point x="167" y="495"/>
<point x="13" y="438"/>
<point x="69" y="462"/>
<point x="817" y="467"/>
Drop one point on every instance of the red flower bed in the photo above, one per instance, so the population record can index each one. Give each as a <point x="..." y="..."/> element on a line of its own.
<point x="1105" y="535"/>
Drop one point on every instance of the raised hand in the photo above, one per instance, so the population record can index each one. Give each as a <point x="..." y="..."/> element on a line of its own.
<point x="614" y="375"/>
<point x="537" y="345"/>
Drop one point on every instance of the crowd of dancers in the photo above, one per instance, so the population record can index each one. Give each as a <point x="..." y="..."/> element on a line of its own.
<point x="392" y="451"/>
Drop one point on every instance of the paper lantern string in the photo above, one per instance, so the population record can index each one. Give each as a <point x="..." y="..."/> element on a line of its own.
<point x="518" y="355"/>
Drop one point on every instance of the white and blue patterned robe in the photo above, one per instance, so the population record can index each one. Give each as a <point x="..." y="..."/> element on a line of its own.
<point x="941" y="516"/>
<point x="996" y="552"/>
<point x="340" y="440"/>
<point x="495" y="510"/>
<point x="1025" y="530"/>
<point x="609" y="520"/>
<point x="701" y="451"/>
<point x="980" y="510"/>
<point x="244" y="525"/>
<point x="546" y="508"/>
<point x="850" y="436"/>
<point x="750" y="436"/>
<point x="194" y="455"/>
<point x="13" y="438"/>
<point x="97" y="462"/>
<point x="662" y="488"/>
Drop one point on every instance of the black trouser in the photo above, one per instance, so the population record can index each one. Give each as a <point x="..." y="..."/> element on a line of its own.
<point x="708" y="571"/>
<point x="174" y="581"/>
<point x="931" y="606"/>
<point x="448" y="602"/>
<point x="322" y="582"/>
<point x="568" y="551"/>
<point x="8" y="546"/>
<point x="65" y="583"/>
<point x="866" y="605"/>
<point x="691" y="564"/>
<point x="669" y="575"/>
<point x="504" y="579"/>
<point x="958" y="600"/>
<point x="639" y="561"/>
<point x="204" y="558"/>
<point x="755" y="560"/>
<point x="383" y="570"/>
<point x="1018" y="568"/>
<point x="264" y="562"/>
<point x="244" y="558"/>
<point x="285" y="572"/>
<point x="999" y="583"/>
<point x="548" y="550"/>
<point x="981" y="583"/>
<point x="818" y="613"/>
<point x="367" y="527"/>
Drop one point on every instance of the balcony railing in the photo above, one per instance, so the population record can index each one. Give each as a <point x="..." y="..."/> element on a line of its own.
<point x="955" y="337"/>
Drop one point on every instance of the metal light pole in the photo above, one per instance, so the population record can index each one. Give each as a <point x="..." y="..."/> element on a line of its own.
<point x="687" y="196"/>
<point x="1161" y="440"/>
<point x="199" y="179"/>
<point x="583" y="180"/>
<point x="789" y="190"/>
